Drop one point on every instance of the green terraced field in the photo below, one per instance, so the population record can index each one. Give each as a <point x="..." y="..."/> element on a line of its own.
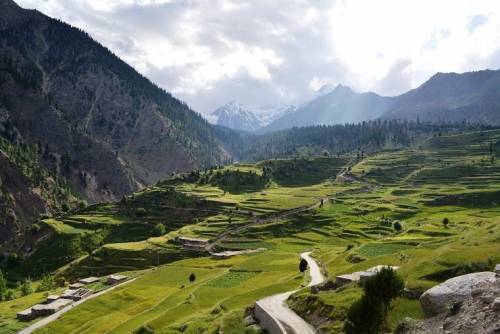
<point x="449" y="177"/>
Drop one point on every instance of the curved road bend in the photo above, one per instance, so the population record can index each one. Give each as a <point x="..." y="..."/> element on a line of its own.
<point x="277" y="308"/>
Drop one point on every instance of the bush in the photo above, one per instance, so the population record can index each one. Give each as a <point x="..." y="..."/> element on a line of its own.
<point x="144" y="330"/>
<point x="35" y="228"/>
<point x="192" y="277"/>
<point x="158" y="230"/>
<point x="364" y="316"/>
<point x="9" y="294"/>
<point x="140" y="212"/>
<point x="46" y="284"/>
<point x="12" y="260"/>
<point x="369" y="314"/>
<point x="26" y="288"/>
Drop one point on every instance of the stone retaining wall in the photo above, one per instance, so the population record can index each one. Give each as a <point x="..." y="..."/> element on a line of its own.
<point x="267" y="321"/>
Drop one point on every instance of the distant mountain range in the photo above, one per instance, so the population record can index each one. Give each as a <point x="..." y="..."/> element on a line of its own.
<point x="237" y="117"/>
<point x="451" y="97"/>
<point x="341" y="105"/>
<point x="445" y="97"/>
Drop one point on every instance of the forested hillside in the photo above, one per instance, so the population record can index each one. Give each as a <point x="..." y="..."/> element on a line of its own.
<point x="77" y="119"/>
<point x="99" y="124"/>
<point x="339" y="139"/>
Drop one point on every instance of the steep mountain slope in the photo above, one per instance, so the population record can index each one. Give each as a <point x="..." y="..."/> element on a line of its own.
<point x="234" y="116"/>
<point x="472" y="96"/>
<point x="27" y="191"/>
<point x="98" y="123"/>
<point x="342" y="105"/>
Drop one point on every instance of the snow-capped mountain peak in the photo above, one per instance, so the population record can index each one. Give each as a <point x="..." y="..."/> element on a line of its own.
<point x="234" y="115"/>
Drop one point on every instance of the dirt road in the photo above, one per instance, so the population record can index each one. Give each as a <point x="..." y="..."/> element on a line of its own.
<point x="276" y="308"/>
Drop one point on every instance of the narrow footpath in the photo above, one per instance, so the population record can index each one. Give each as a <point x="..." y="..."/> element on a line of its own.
<point x="274" y="314"/>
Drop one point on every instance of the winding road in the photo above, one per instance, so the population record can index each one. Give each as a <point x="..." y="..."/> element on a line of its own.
<point x="287" y="321"/>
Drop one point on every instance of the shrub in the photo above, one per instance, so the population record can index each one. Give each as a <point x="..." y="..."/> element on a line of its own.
<point x="144" y="330"/>
<point x="192" y="277"/>
<point x="12" y="260"/>
<point x="369" y="314"/>
<point x="26" y="288"/>
<point x="158" y="230"/>
<point x="46" y="284"/>
<point x="140" y="212"/>
<point x="364" y="316"/>
<point x="35" y="228"/>
<point x="9" y="294"/>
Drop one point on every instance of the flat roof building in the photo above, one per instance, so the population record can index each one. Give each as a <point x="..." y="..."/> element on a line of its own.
<point x="51" y="308"/>
<point x="77" y="294"/>
<point x="25" y="315"/>
<point x="360" y="276"/>
<point x="89" y="280"/>
<point x="115" y="279"/>
<point x="75" y="286"/>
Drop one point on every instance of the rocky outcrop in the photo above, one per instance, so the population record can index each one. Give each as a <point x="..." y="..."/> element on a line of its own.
<point x="441" y="297"/>
<point x="472" y="306"/>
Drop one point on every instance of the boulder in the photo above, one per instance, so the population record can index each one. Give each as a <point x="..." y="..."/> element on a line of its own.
<point x="496" y="304"/>
<point x="455" y="290"/>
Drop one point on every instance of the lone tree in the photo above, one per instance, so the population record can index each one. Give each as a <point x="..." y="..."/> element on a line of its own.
<point x="192" y="277"/>
<point x="446" y="222"/>
<point x="303" y="265"/>
<point x="369" y="314"/>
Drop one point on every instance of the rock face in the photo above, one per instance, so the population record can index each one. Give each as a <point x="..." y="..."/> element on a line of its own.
<point x="439" y="298"/>
<point x="477" y="312"/>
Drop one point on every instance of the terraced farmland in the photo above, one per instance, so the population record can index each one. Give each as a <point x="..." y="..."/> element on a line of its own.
<point x="387" y="208"/>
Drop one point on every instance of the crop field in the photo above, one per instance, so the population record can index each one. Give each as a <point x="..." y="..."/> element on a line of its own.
<point x="432" y="210"/>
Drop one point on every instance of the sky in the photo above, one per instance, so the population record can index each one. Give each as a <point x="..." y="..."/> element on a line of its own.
<point x="279" y="52"/>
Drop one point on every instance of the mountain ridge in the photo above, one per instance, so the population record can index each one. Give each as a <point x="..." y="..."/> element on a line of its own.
<point x="341" y="105"/>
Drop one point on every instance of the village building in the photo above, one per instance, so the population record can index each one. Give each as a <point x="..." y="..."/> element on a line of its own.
<point x="25" y="315"/>
<point x="115" y="279"/>
<point x="50" y="308"/>
<point x="89" y="280"/>
<point x="360" y="276"/>
<point x="52" y="298"/>
<point x="77" y="294"/>
<point x="195" y="244"/>
<point x="75" y="286"/>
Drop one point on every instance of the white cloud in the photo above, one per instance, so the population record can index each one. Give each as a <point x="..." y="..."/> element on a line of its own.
<point x="276" y="51"/>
